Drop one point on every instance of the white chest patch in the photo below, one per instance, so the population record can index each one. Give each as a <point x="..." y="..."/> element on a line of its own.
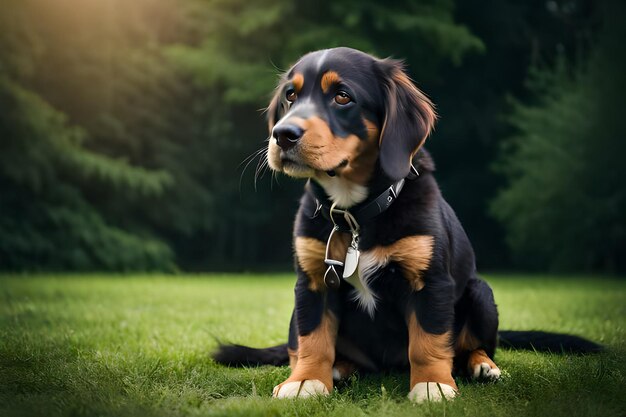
<point x="343" y="192"/>
<point x="369" y="265"/>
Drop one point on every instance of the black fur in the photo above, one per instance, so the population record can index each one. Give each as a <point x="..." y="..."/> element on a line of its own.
<point x="238" y="355"/>
<point x="408" y="120"/>
<point x="547" y="342"/>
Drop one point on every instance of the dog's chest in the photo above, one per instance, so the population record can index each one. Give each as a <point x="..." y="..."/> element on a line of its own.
<point x="412" y="256"/>
<point x="343" y="192"/>
<point x="370" y="267"/>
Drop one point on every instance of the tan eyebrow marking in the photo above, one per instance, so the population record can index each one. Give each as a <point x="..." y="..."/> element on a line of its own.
<point x="328" y="79"/>
<point x="298" y="82"/>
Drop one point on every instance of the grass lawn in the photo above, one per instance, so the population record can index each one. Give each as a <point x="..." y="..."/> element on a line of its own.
<point x="88" y="345"/>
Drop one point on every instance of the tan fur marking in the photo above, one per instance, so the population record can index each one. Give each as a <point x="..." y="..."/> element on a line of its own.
<point x="320" y="149"/>
<point x="466" y="341"/>
<point x="328" y="79"/>
<point x="430" y="355"/>
<point x="477" y="357"/>
<point x="310" y="254"/>
<point x="298" y="82"/>
<point x="344" y="368"/>
<point x="323" y="151"/>
<point x="361" y="165"/>
<point x="316" y="354"/>
<point x="293" y="358"/>
<point x="412" y="253"/>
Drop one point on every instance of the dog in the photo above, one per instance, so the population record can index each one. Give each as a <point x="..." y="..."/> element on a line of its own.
<point x="386" y="276"/>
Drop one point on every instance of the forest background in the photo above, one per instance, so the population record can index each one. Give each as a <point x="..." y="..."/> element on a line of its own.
<point x="125" y="127"/>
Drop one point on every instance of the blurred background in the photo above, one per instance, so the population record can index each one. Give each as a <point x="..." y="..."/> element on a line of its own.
<point x="125" y="127"/>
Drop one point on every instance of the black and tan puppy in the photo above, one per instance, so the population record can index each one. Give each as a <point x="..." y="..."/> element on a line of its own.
<point x="386" y="274"/>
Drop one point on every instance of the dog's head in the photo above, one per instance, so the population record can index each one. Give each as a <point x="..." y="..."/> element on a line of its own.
<point x="340" y="113"/>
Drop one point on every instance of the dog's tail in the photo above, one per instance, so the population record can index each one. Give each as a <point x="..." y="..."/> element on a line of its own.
<point x="547" y="342"/>
<point x="238" y="355"/>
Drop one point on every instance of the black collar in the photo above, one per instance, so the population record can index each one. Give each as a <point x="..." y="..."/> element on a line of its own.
<point x="363" y="212"/>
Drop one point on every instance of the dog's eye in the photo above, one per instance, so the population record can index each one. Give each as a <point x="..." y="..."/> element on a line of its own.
<point x="342" y="98"/>
<point x="291" y="95"/>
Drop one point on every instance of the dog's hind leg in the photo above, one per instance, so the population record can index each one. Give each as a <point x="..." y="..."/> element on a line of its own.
<point x="477" y="332"/>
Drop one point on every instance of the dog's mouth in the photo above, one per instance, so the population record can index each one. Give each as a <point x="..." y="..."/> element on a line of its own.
<point x="292" y="163"/>
<point x="295" y="168"/>
<point x="290" y="166"/>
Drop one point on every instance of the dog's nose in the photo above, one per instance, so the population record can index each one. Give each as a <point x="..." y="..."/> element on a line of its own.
<point x="287" y="135"/>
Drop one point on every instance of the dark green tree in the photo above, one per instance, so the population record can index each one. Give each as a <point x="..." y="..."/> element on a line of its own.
<point x="47" y="220"/>
<point x="565" y="202"/>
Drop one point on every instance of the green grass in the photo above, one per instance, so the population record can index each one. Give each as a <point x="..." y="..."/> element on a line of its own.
<point x="138" y="345"/>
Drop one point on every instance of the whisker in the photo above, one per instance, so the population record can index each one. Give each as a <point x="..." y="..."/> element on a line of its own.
<point x="252" y="155"/>
<point x="274" y="177"/>
<point x="260" y="168"/>
<point x="248" y="160"/>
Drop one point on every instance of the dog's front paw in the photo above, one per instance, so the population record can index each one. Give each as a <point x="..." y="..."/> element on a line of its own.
<point x="485" y="371"/>
<point x="431" y="391"/>
<point x="300" y="389"/>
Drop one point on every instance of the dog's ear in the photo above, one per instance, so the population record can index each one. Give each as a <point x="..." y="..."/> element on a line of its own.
<point x="408" y="120"/>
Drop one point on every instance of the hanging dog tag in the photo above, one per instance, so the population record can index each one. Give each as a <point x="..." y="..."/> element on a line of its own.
<point x="351" y="270"/>
<point x="351" y="264"/>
